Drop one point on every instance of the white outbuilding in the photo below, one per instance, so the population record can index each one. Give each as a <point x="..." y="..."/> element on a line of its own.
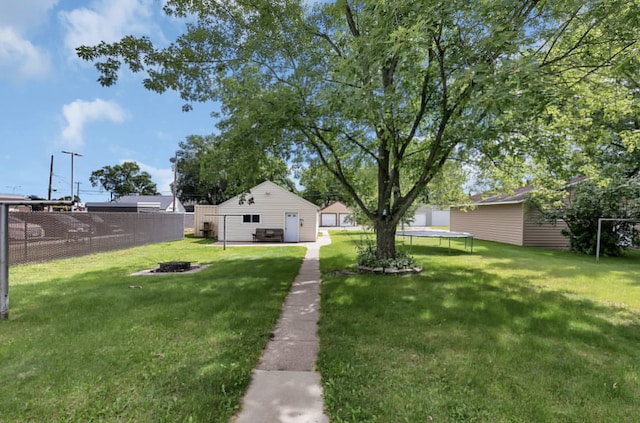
<point x="268" y="206"/>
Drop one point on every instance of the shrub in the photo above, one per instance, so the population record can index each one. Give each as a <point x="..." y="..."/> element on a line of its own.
<point x="591" y="201"/>
<point x="367" y="257"/>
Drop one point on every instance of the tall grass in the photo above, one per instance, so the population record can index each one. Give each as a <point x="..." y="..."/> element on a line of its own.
<point x="87" y="342"/>
<point x="506" y="334"/>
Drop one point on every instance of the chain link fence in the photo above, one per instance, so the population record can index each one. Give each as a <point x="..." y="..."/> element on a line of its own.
<point x="43" y="236"/>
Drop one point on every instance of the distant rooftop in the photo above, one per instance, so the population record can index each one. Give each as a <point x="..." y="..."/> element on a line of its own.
<point x="164" y="201"/>
<point x="518" y="196"/>
<point x="11" y="197"/>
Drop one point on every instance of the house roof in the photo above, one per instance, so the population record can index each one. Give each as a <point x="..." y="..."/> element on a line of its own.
<point x="12" y="197"/>
<point x="336" y="205"/>
<point x="518" y="196"/>
<point x="165" y="200"/>
<point x="271" y="185"/>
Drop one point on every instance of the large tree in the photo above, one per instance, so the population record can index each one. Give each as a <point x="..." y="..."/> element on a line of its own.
<point x="196" y="182"/>
<point x="213" y="168"/>
<point x="123" y="179"/>
<point x="320" y="186"/>
<point x="399" y="86"/>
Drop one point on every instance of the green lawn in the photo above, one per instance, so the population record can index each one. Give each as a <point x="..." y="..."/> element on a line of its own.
<point x="81" y="345"/>
<point x="507" y="334"/>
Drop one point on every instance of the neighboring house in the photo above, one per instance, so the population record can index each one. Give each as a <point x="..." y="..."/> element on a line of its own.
<point x="508" y="219"/>
<point x="166" y="202"/>
<point x="138" y="203"/>
<point x="12" y="197"/>
<point x="336" y="214"/>
<point x="430" y="216"/>
<point x="272" y="207"/>
<point x="15" y="197"/>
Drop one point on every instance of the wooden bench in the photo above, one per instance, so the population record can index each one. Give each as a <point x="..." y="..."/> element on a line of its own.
<point x="269" y="235"/>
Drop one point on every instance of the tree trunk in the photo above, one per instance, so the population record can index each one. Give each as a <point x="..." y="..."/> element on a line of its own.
<point x="385" y="238"/>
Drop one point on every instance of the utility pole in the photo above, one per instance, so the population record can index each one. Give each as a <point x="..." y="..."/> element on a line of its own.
<point x="175" y="171"/>
<point x="50" y="182"/>
<point x="50" y="179"/>
<point x="72" y="154"/>
<point x="78" y="193"/>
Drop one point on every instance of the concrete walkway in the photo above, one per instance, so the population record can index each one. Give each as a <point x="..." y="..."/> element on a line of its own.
<point x="285" y="386"/>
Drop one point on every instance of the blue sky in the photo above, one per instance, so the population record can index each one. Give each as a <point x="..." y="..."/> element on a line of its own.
<point x="51" y="102"/>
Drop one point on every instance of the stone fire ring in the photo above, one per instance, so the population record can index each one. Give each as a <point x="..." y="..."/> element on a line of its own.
<point x="152" y="272"/>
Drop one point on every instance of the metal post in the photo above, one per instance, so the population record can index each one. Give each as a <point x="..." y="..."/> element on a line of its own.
<point x="175" y="172"/>
<point x="224" y="231"/>
<point x="598" y="241"/>
<point x="4" y="248"/>
<point x="4" y="262"/>
<point x="224" y="226"/>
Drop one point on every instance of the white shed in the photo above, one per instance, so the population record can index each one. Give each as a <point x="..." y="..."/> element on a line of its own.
<point x="272" y="207"/>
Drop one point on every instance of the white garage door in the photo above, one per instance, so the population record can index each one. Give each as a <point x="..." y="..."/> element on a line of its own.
<point x="420" y="219"/>
<point x="440" y="218"/>
<point x="328" y="219"/>
<point x="343" y="220"/>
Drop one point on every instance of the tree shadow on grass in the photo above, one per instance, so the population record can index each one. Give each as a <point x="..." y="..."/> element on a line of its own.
<point x="556" y="264"/>
<point x="467" y="345"/>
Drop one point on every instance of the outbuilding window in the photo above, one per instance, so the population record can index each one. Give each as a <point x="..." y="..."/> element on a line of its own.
<point x="250" y="218"/>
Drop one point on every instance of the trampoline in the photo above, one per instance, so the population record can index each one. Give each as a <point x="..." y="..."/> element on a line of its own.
<point x="440" y="235"/>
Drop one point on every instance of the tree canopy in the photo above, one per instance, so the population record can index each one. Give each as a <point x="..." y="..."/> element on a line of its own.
<point x="212" y="169"/>
<point x="320" y="187"/>
<point x="401" y="87"/>
<point x="124" y="179"/>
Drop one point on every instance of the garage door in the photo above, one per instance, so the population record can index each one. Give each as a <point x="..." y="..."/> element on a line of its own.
<point x="420" y="219"/>
<point x="441" y="218"/>
<point x="344" y="221"/>
<point x="328" y="219"/>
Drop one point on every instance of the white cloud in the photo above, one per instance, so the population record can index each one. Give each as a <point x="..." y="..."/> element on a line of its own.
<point x="163" y="178"/>
<point x="106" y="20"/>
<point x="78" y="113"/>
<point x="24" y="15"/>
<point x="21" y="57"/>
